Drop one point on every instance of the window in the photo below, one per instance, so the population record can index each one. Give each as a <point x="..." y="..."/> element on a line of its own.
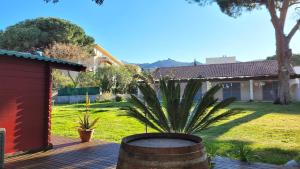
<point x="232" y="90"/>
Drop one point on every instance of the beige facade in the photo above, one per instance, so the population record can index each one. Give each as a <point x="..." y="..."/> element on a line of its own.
<point x="258" y="92"/>
<point x="245" y="90"/>
<point x="104" y="58"/>
<point x="219" y="94"/>
<point x="250" y="92"/>
<point x="249" y="89"/>
<point x="295" y="86"/>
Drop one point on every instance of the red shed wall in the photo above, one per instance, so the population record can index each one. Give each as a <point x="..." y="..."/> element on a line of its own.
<point x="23" y="103"/>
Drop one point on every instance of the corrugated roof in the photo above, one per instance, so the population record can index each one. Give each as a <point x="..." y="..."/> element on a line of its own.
<point x="266" y="68"/>
<point x="37" y="57"/>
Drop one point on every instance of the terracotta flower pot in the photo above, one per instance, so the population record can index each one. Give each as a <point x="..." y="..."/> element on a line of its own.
<point x="85" y="135"/>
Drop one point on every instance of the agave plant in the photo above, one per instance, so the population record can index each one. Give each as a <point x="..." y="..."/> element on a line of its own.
<point x="85" y="122"/>
<point x="176" y="113"/>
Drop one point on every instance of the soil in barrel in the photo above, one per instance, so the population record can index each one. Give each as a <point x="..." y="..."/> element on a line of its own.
<point x="162" y="142"/>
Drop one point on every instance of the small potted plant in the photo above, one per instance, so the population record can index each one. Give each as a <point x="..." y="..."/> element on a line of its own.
<point x="86" y="125"/>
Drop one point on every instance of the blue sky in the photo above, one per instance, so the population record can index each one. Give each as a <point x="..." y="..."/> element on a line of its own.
<point x="140" y="31"/>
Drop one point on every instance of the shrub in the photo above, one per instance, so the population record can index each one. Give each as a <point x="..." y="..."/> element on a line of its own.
<point x="114" y="78"/>
<point x="298" y="158"/>
<point x="277" y="101"/>
<point x="98" y="99"/>
<point x="119" y="98"/>
<point x="211" y="154"/>
<point x="106" y="96"/>
<point x="61" y="80"/>
<point x="244" y="153"/>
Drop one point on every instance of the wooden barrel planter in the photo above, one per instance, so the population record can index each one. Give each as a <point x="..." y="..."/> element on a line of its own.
<point x="162" y="151"/>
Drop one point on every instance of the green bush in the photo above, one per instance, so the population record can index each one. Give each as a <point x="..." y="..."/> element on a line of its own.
<point x="212" y="152"/>
<point x="244" y="153"/>
<point x="106" y="96"/>
<point x="119" y="98"/>
<point x="298" y="158"/>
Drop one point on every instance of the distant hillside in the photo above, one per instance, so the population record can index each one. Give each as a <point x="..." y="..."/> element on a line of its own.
<point x="295" y="59"/>
<point x="166" y="63"/>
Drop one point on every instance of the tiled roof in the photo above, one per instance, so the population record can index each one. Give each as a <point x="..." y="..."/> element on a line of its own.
<point x="266" y="68"/>
<point x="37" y="57"/>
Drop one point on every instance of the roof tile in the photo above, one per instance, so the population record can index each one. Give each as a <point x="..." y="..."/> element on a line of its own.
<point x="219" y="71"/>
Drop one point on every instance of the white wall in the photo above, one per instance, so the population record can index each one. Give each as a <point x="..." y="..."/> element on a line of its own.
<point x="297" y="87"/>
<point x="220" y="60"/>
<point x="297" y="98"/>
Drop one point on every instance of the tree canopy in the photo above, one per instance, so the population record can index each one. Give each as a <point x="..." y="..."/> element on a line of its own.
<point x="72" y="53"/>
<point x="39" y="33"/>
<point x="235" y="8"/>
<point x="69" y="52"/>
<point x="295" y="59"/>
<point x="113" y="78"/>
<point x="117" y="79"/>
<point x="278" y="10"/>
<point x="99" y="2"/>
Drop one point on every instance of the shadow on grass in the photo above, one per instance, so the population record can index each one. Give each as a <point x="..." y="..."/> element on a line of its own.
<point x="65" y="110"/>
<point x="93" y="111"/>
<point x="268" y="107"/>
<point x="99" y="111"/>
<point x="110" y="104"/>
<point x="230" y="149"/>
<point x="64" y="116"/>
<point x="257" y="110"/>
<point x="221" y="129"/>
<point x="101" y="105"/>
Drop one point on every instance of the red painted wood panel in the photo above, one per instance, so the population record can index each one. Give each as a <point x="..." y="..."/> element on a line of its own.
<point x="23" y="108"/>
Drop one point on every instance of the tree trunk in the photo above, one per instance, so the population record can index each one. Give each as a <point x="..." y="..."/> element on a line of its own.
<point x="284" y="54"/>
<point x="75" y="83"/>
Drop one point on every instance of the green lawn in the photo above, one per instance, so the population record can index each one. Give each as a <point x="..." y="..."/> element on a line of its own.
<point x="271" y="131"/>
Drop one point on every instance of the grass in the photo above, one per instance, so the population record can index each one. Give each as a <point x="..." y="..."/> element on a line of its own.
<point x="112" y="125"/>
<point x="272" y="132"/>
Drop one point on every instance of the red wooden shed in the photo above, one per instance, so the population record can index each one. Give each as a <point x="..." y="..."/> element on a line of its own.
<point x="25" y="99"/>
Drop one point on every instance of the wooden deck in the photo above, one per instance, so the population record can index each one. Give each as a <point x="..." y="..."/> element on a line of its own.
<point x="68" y="154"/>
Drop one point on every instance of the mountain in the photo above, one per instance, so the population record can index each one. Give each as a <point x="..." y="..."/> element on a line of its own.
<point x="166" y="63"/>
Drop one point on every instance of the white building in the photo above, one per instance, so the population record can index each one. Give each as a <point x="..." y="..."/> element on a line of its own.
<point x="255" y="80"/>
